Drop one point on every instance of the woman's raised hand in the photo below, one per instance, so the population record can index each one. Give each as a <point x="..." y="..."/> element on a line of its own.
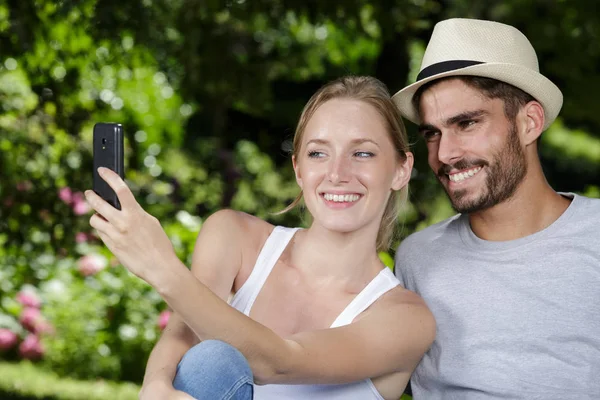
<point x="135" y="237"/>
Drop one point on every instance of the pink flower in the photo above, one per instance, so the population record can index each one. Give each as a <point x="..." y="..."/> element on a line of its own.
<point x="81" y="237"/>
<point x="91" y="264"/>
<point x="30" y="318"/>
<point x="81" y="208"/>
<point x="77" y="197"/>
<point x="65" y="194"/>
<point x="7" y="339"/>
<point x="163" y="319"/>
<point x="29" y="299"/>
<point x="31" y="348"/>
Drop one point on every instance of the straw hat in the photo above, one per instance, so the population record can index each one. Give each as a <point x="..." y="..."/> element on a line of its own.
<point x="482" y="48"/>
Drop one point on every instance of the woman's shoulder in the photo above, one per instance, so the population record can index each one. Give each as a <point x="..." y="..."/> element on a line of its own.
<point x="407" y="306"/>
<point x="401" y="297"/>
<point x="239" y="227"/>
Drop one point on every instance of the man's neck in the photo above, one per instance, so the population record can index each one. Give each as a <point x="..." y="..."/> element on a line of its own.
<point x="533" y="207"/>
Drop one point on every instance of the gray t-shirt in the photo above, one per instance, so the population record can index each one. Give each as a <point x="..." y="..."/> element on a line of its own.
<point x="515" y="320"/>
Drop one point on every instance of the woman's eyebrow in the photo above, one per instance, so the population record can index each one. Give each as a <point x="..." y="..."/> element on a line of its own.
<point x="353" y="141"/>
<point x="364" y="140"/>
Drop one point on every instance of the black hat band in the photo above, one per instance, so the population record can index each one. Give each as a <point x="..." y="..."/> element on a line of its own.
<point x="445" y="66"/>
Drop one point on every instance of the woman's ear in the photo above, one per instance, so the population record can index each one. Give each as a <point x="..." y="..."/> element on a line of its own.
<point x="403" y="172"/>
<point x="297" y="171"/>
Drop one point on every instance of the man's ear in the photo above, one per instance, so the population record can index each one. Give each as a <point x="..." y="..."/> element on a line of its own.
<point x="297" y="171"/>
<point x="403" y="172"/>
<point x="531" y="122"/>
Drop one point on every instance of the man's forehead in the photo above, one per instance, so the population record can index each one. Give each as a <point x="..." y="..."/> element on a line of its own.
<point x="451" y="98"/>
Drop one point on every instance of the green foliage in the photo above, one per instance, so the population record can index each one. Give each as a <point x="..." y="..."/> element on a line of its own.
<point x="575" y="147"/>
<point x="106" y="321"/>
<point x="50" y="97"/>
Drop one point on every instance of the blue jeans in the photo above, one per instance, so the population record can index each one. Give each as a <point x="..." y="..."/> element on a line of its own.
<point x="214" y="370"/>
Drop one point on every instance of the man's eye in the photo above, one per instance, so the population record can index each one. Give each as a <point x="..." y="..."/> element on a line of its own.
<point x="429" y="135"/>
<point x="466" y="123"/>
<point x="315" y="154"/>
<point x="364" y="154"/>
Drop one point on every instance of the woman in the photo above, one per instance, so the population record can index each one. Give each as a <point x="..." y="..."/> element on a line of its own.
<point x="315" y="313"/>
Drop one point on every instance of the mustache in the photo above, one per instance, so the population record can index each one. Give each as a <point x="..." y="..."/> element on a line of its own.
<point x="461" y="164"/>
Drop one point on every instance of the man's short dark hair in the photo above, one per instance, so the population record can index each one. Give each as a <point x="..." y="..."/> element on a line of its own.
<point x="513" y="97"/>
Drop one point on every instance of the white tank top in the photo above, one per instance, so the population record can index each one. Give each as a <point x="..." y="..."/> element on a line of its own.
<point x="245" y="297"/>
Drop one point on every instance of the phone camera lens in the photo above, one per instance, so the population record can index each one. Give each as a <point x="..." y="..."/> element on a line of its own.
<point x="103" y="140"/>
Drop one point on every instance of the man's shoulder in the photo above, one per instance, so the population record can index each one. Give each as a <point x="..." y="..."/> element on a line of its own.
<point x="587" y="202"/>
<point x="585" y="210"/>
<point x="431" y="239"/>
<point x="443" y="229"/>
<point x="418" y="247"/>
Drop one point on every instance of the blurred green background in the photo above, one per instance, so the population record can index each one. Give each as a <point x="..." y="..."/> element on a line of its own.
<point x="209" y="93"/>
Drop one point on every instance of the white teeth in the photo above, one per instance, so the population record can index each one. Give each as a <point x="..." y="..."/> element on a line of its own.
<point x="461" y="176"/>
<point x="340" y="198"/>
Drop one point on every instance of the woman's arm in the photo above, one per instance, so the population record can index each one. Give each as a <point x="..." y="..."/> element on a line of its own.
<point x="176" y="339"/>
<point x="216" y="268"/>
<point x="392" y="336"/>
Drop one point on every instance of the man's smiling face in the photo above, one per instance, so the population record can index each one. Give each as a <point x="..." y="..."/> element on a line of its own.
<point x="473" y="148"/>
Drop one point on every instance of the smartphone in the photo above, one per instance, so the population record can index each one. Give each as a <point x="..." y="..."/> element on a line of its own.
<point x="108" y="152"/>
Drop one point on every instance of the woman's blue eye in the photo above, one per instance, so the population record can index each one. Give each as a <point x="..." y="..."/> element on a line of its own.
<point x="364" y="154"/>
<point x="315" y="154"/>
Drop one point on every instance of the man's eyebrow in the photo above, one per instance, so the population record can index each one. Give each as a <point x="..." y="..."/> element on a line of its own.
<point x="426" y="127"/>
<point x="453" y="120"/>
<point x="464" y="116"/>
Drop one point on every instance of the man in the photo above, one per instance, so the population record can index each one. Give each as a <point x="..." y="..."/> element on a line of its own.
<point x="513" y="280"/>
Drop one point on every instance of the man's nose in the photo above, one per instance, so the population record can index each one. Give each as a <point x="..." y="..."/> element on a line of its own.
<point x="450" y="148"/>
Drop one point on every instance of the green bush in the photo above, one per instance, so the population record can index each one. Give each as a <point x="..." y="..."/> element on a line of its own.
<point x="95" y="319"/>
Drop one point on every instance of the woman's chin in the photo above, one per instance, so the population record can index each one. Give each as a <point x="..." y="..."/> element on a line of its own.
<point x="339" y="225"/>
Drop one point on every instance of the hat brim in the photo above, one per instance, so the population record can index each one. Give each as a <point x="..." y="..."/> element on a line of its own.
<point x="537" y="85"/>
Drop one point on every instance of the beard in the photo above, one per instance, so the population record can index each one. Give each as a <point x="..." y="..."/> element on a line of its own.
<point x="504" y="174"/>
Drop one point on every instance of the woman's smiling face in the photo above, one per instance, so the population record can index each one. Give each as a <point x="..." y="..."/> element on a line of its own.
<point x="347" y="165"/>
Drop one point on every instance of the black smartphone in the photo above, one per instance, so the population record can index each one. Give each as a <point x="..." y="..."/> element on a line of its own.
<point x="108" y="152"/>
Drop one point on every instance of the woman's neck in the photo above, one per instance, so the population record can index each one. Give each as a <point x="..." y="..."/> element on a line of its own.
<point x="334" y="257"/>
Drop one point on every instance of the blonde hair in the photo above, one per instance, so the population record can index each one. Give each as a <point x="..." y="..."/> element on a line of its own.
<point x="371" y="91"/>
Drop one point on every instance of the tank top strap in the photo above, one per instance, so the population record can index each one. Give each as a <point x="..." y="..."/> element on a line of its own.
<point x="267" y="258"/>
<point x="382" y="283"/>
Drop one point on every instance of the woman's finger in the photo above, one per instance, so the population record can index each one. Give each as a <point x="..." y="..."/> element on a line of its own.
<point x="103" y="208"/>
<point x="99" y="223"/>
<point x="109" y="242"/>
<point x="126" y="198"/>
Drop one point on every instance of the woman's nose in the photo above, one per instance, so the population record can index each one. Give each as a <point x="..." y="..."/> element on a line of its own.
<point x="339" y="170"/>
